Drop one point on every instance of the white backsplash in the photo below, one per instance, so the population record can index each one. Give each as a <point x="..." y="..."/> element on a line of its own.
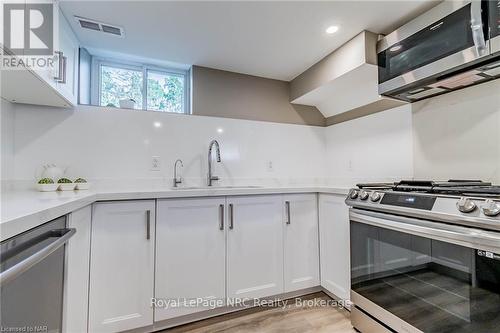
<point x="7" y="139"/>
<point x="456" y="135"/>
<point x="115" y="147"/>
<point x="375" y="148"/>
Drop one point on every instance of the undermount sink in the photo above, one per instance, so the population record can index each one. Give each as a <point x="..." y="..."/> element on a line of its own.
<point x="215" y="187"/>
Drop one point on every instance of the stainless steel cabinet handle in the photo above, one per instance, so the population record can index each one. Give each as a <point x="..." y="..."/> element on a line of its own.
<point x="288" y="218"/>
<point x="60" y="60"/>
<point x="16" y="270"/>
<point x="148" y="224"/>
<point x="221" y="217"/>
<point x="231" y="216"/>
<point x="64" y="62"/>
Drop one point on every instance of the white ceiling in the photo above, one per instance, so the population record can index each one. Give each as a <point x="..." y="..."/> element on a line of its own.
<point x="270" y="39"/>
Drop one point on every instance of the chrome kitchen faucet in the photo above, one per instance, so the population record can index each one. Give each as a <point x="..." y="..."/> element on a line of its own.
<point x="177" y="180"/>
<point x="210" y="177"/>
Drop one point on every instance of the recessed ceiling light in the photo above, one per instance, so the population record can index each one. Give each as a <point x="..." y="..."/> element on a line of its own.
<point x="332" y="29"/>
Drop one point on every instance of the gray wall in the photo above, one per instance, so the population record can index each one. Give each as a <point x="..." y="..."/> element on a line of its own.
<point x="231" y="95"/>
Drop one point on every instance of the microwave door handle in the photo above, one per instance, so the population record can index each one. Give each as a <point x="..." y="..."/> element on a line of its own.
<point x="476" y="25"/>
<point x="19" y="268"/>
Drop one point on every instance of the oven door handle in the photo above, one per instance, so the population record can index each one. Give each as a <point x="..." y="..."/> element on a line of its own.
<point x="19" y="268"/>
<point x="449" y="233"/>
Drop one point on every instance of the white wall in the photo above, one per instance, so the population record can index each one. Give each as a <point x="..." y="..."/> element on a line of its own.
<point x="374" y="148"/>
<point x="7" y="139"/>
<point x="116" y="145"/>
<point x="457" y="135"/>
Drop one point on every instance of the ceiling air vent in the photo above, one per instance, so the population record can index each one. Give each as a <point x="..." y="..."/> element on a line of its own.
<point x="111" y="30"/>
<point x="99" y="26"/>
<point x="89" y="25"/>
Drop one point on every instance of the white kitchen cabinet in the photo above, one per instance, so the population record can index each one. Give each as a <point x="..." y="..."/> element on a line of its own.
<point x="190" y="253"/>
<point x="254" y="246"/>
<point x="76" y="286"/>
<point x="46" y="74"/>
<point x="334" y="245"/>
<point x="301" y="243"/>
<point x="66" y="69"/>
<point x="69" y="46"/>
<point x="38" y="85"/>
<point x="122" y="265"/>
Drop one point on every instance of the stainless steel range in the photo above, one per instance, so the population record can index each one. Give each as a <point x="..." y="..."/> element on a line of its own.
<point x="425" y="257"/>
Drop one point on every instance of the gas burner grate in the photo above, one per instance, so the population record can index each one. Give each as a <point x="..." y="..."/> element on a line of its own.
<point x="452" y="187"/>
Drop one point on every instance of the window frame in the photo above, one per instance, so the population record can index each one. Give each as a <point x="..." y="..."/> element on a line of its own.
<point x="98" y="62"/>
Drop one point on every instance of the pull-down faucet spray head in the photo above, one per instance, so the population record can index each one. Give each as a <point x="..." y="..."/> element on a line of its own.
<point x="217" y="149"/>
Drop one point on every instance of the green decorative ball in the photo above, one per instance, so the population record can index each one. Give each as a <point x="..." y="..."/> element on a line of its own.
<point x="46" y="181"/>
<point x="64" y="181"/>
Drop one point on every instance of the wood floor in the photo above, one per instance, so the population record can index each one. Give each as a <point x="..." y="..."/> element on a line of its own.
<point x="292" y="319"/>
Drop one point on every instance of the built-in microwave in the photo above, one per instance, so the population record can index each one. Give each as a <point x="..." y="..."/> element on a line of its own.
<point x="494" y="25"/>
<point x="454" y="45"/>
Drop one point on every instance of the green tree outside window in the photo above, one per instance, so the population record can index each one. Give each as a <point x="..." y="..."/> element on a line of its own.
<point x="164" y="91"/>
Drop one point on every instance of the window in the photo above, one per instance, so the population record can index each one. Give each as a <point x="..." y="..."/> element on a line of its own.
<point x="149" y="87"/>
<point x="120" y="83"/>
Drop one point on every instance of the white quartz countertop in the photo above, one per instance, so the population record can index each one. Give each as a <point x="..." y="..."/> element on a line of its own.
<point x="23" y="210"/>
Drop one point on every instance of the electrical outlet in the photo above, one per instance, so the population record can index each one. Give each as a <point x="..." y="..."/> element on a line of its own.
<point x="270" y="166"/>
<point x="155" y="163"/>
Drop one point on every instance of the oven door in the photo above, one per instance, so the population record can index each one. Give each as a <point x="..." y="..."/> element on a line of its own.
<point x="412" y="275"/>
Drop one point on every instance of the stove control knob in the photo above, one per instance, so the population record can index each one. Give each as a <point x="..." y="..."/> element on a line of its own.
<point x="491" y="208"/>
<point x="375" y="196"/>
<point x="354" y="194"/>
<point x="363" y="195"/>
<point x="466" y="205"/>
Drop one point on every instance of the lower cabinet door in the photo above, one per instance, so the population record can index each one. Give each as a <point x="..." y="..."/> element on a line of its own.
<point x="77" y="267"/>
<point x="190" y="256"/>
<point x="121" y="265"/>
<point x="301" y="241"/>
<point x="334" y="245"/>
<point x="254" y="246"/>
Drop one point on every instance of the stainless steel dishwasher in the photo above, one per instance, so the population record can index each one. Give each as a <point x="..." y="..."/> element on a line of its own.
<point x="32" y="278"/>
